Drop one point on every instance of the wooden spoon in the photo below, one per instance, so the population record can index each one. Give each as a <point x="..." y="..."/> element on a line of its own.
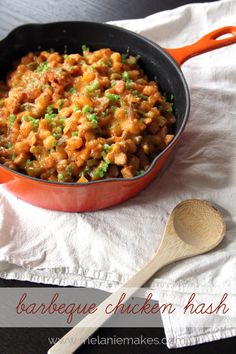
<point x="194" y="227"/>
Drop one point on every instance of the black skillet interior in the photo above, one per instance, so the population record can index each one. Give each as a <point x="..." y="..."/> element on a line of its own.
<point x="69" y="36"/>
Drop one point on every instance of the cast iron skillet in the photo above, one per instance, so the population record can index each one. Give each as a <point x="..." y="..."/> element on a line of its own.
<point x="160" y="64"/>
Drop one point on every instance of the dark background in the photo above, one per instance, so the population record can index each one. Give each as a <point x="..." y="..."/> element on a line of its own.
<point x="17" y="12"/>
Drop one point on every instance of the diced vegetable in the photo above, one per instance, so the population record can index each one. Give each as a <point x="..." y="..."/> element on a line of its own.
<point x="11" y="119"/>
<point x="93" y="118"/>
<point x="101" y="170"/>
<point x="112" y="96"/>
<point x="86" y="109"/>
<point x="85" y="48"/>
<point x="42" y="67"/>
<point x="92" y="87"/>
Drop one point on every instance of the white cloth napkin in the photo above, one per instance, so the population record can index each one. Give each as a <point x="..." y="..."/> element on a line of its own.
<point x="103" y="249"/>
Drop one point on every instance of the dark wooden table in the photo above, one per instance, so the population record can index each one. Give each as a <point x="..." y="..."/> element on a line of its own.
<point x="17" y="12"/>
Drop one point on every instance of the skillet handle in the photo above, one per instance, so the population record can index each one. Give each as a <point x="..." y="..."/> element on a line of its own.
<point x="208" y="42"/>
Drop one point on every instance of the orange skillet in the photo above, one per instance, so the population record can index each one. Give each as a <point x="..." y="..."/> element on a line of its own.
<point x="160" y="64"/>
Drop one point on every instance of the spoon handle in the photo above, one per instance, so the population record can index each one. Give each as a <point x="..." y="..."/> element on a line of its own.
<point x="85" y="328"/>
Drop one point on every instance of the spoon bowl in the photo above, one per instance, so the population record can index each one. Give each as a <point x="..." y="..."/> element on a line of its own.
<point x="198" y="223"/>
<point x="194" y="227"/>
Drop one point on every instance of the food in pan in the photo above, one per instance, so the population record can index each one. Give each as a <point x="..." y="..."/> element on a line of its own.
<point x="82" y="117"/>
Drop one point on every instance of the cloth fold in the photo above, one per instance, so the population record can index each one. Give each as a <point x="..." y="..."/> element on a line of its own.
<point x="104" y="248"/>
